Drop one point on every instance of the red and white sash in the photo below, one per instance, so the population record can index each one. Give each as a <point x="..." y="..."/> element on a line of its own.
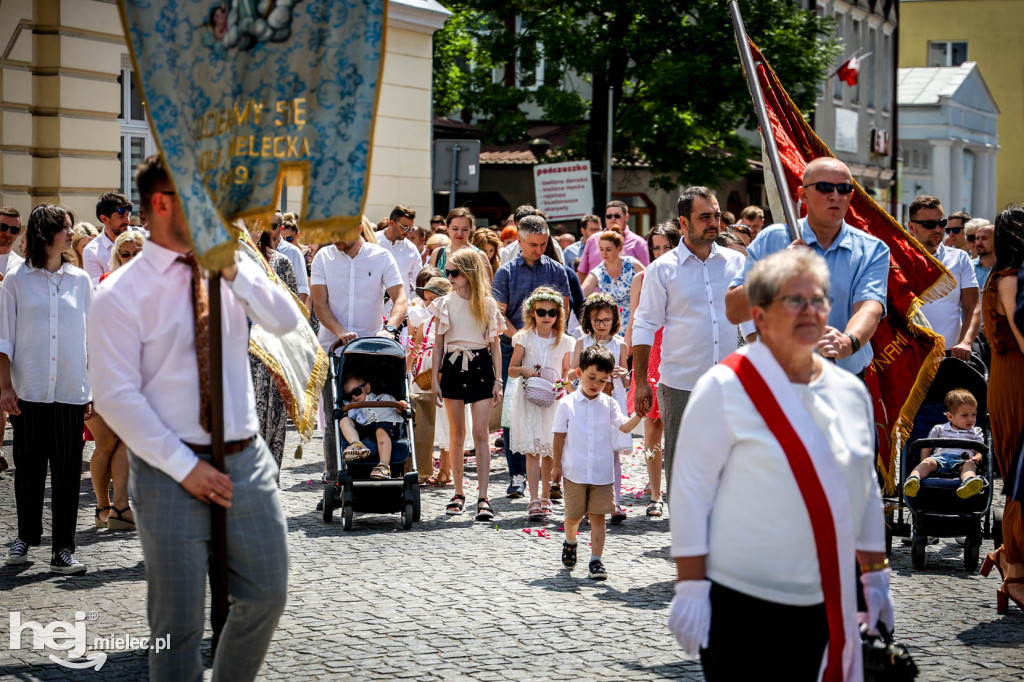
<point x="814" y="467"/>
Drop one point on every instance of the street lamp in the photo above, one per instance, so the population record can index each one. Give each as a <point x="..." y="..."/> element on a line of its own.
<point x="539" y="148"/>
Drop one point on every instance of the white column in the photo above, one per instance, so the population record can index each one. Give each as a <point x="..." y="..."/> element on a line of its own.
<point x="989" y="159"/>
<point x="956" y="178"/>
<point x="940" y="169"/>
<point x="979" y="189"/>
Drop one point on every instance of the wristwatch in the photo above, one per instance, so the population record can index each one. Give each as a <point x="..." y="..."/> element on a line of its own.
<point x="854" y="341"/>
<point x="390" y="329"/>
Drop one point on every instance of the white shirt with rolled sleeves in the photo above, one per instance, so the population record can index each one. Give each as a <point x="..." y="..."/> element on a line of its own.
<point x="686" y="296"/>
<point x="407" y="258"/>
<point x="9" y="262"/>
<point x="587" y="456"/>
<point x="96" y="257"/>
<point x="355" y="287"/>
<point x="42" y="331"/>
<point x="733" y="496"/>
<point x="142" y="355"/>
<point x="298" y="261"/>
<point x="946" y="315"/>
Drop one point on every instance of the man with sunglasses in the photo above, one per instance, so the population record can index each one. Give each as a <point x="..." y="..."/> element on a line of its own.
<point x="616" y="217"/>
<point x="395" y="238"/>
<point x="956" y="230"/>
<point x="114" y="211"/>
<point x="10" y="228"/>
<point x="858" y="263"/>
<point x="291" y="252"/>
<point x="957" y="315"/>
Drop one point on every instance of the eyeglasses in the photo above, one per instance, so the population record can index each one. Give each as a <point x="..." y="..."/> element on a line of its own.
<point x="13" y="229"/>
<point x="796" y="304"/>
<point x="614" y="216"/>
<point x="971" y="237"/>
<point x="829" y="187"/>
<point x="405" y="228"/>
<point x="546" y="312"/>
<point x="274" y="226"/>
<point x="127" y="210"/>
<point x="953" y="230"/>
<point x="358" y="390"/>
<point x="451" y="273"/>
<point x="126" y="255"/>
<point x="931" y="224"/>
<point x="601" y="320"/>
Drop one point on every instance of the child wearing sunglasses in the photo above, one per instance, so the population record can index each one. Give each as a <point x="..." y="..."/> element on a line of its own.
<point x="540" y="349"/>
<point x="376" y="425"/>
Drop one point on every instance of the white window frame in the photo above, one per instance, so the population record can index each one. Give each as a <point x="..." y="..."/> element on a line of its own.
<point x="949" y="51"/>
<point x="131" y="128"/>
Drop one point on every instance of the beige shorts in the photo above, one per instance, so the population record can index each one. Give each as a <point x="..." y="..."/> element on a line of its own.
<point x="583" y="499"/>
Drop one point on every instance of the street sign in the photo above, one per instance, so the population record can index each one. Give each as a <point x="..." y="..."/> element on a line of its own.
<point x="456" y="162"/>
<point x="564" y="190"/>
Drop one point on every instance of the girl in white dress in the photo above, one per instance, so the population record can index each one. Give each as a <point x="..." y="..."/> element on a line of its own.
<point x="600" y="322"/>
<point x="541" y="348"/>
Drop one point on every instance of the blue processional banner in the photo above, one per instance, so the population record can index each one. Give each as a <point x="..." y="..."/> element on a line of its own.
<point x="244" y="94"/>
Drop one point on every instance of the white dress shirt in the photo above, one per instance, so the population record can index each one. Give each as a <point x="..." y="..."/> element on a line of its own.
<point x="96" y="257"/>
<point x="42" y="331"/>
<point x="587" y="456"/>
<point x="945" y="315"/>
<point x="733" y="495"/>
<point x="355" y="287"/>
<point x="9" y="261"/>
<point x="687" y="296"/>
<point x="298" y="261"/>
<point x="407" y="258"/>
<point x="142" y="354"/>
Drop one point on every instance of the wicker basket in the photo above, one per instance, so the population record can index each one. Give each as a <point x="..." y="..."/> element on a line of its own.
<point x="540" y="390"/>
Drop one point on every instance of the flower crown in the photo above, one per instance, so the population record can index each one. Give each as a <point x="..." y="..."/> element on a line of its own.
<point x="540" y="296"/>
<point x="601" y="297"/>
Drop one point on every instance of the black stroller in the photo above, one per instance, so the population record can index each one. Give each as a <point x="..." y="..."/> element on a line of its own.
<point x="937" y="511"/>
<point x="381" y="362"/>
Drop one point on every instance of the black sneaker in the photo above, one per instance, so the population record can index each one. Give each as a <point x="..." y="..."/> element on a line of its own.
<point x="64" y="561"/>
<point x="18" y="553"/>
<point x="518" y="486"/>
<point x="597" y="571"/>
<point x="569" y="554"/>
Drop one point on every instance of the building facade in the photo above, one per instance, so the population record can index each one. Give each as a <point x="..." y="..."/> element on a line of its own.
<point x="73" y="124"/>
<point x="948" y="33"/>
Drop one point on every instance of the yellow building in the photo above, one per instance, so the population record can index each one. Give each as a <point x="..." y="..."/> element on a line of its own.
<point x="950" y="32"/>
<point x="72" y="124"/>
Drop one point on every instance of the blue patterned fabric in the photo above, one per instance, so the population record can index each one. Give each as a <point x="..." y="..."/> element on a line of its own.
<point x="242" y="91"/>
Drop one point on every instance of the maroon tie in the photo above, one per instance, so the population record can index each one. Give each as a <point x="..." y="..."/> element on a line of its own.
<point x="201" y="315"/>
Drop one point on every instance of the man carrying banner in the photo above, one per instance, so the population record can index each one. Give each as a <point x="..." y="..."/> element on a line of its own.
<point x="858" y="263"/>
<point x="147" y="348"/>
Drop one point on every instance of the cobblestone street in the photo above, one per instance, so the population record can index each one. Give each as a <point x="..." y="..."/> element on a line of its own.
<point x="454" y="598"/>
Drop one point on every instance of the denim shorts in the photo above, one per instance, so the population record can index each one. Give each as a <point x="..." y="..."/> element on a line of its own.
<point x="950" y="462"/>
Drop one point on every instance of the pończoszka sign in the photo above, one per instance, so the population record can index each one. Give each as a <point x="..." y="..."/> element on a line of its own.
<point x="564" y="190"/>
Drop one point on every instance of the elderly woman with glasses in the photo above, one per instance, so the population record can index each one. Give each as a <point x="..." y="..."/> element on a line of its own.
<point x="774" y="496"/>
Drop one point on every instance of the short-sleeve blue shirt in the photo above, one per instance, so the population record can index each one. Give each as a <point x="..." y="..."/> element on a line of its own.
<point x="858" y="263"/>
<point x="516" y="280"/>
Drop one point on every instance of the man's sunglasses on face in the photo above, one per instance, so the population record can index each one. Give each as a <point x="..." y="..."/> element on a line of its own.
<point x="13" y="229"/>
<point x="953" y="230"/>
<point x="614" y="216"/>
<point x="932" y="224"/>
<point x="123" y="210"/>
<point x="829" y="187"/>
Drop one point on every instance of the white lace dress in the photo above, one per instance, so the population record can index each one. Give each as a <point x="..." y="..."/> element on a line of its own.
<point x="620" y="441"/>
<point x="530" y="431"/>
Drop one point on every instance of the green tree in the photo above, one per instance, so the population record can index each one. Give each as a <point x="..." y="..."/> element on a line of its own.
<point x="679" y="90"/>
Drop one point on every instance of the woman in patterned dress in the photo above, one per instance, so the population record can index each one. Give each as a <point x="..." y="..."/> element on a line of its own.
<point x="614" y="275"/>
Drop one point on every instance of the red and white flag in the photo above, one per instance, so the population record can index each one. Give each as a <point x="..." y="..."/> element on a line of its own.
<point x="848" y="71"/>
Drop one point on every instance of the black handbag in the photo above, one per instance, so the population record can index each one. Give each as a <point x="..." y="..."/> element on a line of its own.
<point x="884" y="659"/>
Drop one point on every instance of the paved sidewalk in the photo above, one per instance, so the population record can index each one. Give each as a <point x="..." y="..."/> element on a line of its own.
<point x="454" y="598"/>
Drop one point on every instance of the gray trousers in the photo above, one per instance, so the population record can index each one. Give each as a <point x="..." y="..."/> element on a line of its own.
<point x="671" y="402"/>
<point x="174" y="528"/>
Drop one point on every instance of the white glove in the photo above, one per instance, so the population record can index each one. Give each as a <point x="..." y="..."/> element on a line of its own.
<point x="878" y="599"/>
<point x="689" y="616"/>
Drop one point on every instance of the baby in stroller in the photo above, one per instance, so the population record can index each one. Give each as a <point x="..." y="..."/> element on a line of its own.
<point x="962" y="413"/>
<point x="377" y="425"/>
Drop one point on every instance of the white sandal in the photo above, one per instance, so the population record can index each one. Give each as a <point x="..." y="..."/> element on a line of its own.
<point x="381" y="472"/>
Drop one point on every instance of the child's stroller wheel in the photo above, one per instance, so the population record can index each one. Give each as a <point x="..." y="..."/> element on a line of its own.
<point x="408" y="514"/>
<point x="346" y="517"/>
<point x="328" y="503"/>
<point x="917" y="551"/>
<point x="971" y="552"/>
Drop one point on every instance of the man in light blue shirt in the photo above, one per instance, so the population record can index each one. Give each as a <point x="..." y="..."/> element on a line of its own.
<point x="858" y="262"/>
<point x="984" y="249"/>
<point x="589" y="226"/>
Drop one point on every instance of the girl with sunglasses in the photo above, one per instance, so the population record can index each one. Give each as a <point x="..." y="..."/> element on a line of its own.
<point x="540" y="349"/>
<point x="469" y="370"/>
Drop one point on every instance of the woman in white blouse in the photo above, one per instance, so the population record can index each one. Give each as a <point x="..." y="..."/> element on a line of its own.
<point x="750" y="596"/>
<point x="43" y="383"/>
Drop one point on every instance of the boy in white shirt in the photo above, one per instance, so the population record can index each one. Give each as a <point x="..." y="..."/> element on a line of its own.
<point x="583" y="448"/>
<point x="378" y="425"/>
<point x="962" y="413"/>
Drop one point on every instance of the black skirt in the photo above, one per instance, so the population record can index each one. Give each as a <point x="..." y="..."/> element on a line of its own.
<point x="471" y="385"/>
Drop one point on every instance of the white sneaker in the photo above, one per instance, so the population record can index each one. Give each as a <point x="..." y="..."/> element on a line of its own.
<point x="64" y="561"/>
<point x="18" y="553"/>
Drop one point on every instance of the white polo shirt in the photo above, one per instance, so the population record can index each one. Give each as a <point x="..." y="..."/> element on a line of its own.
<point x="407" y="258"/>
<point x="298" y="261"/>
<point x="96" y="257"/>
<point x="945" y="315"/>
<point x="355" y="287"/>
<point x="587" y="456"/>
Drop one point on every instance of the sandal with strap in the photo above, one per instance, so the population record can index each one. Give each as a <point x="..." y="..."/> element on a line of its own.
<point x="440" y="479"/>
<point x="655" y="508"/>
<point x="355" y="451"/>
<point x="1003" y="597"/>
<point x="455" y="506"/>
<point x="381" y="472"/>
<point x="993" y="559"/>
<point x="545" y="506"/>
<point x="119" y="523"/>
<point x="100" y="521"/>
<point x="535" y="511"/>
<point x="484" y="512"/>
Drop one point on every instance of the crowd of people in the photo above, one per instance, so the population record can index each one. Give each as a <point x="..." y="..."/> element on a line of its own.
<point x="737" y="352"/>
